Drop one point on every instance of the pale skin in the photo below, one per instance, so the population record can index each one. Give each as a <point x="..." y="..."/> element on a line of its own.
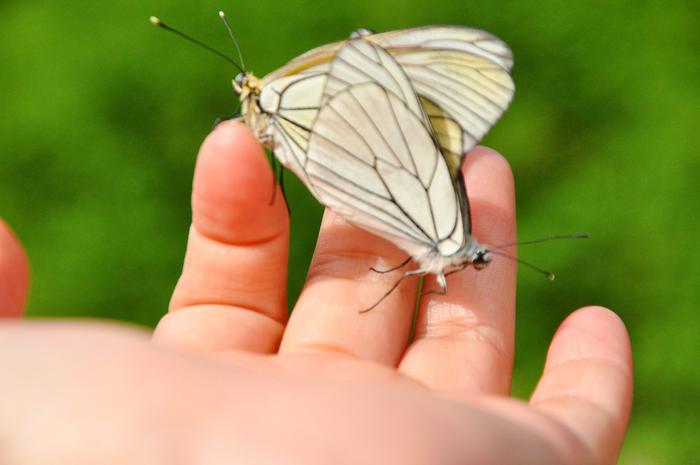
<point x="228" y="377"/>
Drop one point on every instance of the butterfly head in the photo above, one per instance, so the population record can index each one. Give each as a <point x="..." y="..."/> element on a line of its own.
<point x="246" y="84"/>
<point x="474" y="254"/>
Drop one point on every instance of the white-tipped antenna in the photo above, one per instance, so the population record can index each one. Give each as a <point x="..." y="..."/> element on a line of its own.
<point x="547" y="274"/>
<point x="157" y="22"/>
<point x="233" y="38"/>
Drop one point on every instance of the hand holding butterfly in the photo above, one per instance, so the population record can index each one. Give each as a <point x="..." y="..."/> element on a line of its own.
<point x="230" y="379"/>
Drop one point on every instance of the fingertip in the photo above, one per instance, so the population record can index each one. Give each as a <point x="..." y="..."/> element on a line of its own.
<point x="234" y="188"/>
<point x="599" y="315"/>
<point x="482" y="151"/>
<point x="231" y="163"/>
<point x="488" y="160"/>
<point x="230" y="157"/>
<point x="587" y="380"/>
<point x="14" y="273"/>
<point x="231" y="136"/>
<point x="491" y="191"/>
<point x="592" y="332"/>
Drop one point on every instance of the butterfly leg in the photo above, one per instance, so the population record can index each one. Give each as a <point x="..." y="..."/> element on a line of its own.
<point x="278" y="178"/>
<point x="284" y="193"/>
<point x="266" y="141"/>
<point x="407" y="274"/>
<point x="275" y="176"/>
<point x="397" y="267"/>
<point x="442" y="282"/>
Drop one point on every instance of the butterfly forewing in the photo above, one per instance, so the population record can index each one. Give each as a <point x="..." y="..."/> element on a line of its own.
<point x="473" y="91"/>
<point x="463" y="39"/>
<point x="460" y="74"/>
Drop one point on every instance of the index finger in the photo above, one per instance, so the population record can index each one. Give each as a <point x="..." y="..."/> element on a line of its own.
<point x="232" y="291"/>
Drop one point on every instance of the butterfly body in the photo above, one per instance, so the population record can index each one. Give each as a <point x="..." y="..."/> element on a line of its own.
<point x="377" y="127"/>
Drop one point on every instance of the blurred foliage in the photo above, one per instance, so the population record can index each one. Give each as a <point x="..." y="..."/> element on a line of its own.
<point x="102" y="116"/>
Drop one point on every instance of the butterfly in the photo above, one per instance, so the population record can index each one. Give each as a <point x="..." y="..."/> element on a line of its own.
<point x="377" y="127"/>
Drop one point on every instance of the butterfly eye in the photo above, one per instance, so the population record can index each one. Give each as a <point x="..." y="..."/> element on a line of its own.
<point x="482" y="259"/>
<point x="241" y="80"/>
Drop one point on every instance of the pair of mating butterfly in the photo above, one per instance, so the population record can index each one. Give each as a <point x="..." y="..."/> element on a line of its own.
<point x="377" y="127"/>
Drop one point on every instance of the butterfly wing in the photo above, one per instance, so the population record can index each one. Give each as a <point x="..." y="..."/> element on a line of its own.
<point x="290" y="105"/>
<point x="463" y="78"/>
<point x="371" y="157"/>
<point x="461" y="75"/>
<point x="458" y="38"/>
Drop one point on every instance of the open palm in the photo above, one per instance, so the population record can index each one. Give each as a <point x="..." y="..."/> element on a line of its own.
<point x="235" y="380"/>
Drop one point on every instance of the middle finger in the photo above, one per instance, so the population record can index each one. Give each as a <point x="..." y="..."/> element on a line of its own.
<point x="340" y="284"/>
<point x="464" y="340"/>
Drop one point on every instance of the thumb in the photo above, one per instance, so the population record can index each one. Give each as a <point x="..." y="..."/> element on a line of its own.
<point x="14" y="274"/>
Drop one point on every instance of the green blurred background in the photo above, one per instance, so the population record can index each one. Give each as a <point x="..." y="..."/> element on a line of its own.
<point x="102" y="114"/>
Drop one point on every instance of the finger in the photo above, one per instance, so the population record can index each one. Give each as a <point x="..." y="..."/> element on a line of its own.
<point x="340" y="285"/>
<point x="464" y="339"/>
<point x="587" y="380"/>
<point x="14" y="274"/>
<point x="232" y="291"/>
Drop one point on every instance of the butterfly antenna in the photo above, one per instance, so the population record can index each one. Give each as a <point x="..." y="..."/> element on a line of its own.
<point x="548" y="274"/>
<point x="544" y="239"/>
<point x="233" y="38"/>
<point x="157" y="22"/>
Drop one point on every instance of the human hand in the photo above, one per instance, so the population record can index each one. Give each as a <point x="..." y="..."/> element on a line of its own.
<point x="232" y="381"/>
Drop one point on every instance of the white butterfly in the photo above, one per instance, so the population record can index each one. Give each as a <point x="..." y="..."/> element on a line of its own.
<point x="377" y="126"/>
